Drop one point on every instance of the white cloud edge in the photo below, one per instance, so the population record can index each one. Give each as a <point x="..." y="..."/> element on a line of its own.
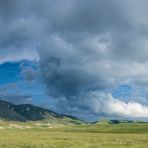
<point x="107" y="104"/>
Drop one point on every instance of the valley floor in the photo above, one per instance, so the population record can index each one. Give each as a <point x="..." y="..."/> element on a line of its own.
<point x="86" y="136"/>
<point x="43" y="139"/>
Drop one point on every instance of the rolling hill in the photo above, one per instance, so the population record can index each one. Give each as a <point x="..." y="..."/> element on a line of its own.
<point x="28" y="112"/>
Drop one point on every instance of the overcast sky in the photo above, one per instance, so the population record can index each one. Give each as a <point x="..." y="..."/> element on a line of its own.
<point x="87" y="58"/>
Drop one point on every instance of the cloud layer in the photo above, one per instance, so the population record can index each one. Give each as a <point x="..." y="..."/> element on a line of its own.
<point x="83" y="47"/>
<point x="12" y="93"/>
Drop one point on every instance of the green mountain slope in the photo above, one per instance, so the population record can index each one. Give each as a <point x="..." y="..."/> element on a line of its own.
<point x="27" y="112"/>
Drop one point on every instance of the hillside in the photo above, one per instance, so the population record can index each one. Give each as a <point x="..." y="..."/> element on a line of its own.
<point x="28" y="112"/>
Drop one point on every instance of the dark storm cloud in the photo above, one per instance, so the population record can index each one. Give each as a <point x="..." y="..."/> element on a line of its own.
<point x="85" y="48"/>
<point x="93" y="47"/>
<point x="18" y="31"/>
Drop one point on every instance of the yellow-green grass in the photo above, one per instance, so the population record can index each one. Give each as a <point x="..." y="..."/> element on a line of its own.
<point x="41" y="139"/>
<point x="82" y="136"/>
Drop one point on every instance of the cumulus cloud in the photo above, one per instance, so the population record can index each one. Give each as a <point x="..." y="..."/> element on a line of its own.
<point x="105" y="103"/>
<point x="82" y="47"/>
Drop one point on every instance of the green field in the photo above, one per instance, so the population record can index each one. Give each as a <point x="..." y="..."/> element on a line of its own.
<point x="30" y="135"/>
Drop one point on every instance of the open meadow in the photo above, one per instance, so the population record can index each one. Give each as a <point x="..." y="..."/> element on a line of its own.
<point x="18" y="135"/>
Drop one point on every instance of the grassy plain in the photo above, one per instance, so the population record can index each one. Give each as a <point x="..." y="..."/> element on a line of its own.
<point x="30" y="135"/>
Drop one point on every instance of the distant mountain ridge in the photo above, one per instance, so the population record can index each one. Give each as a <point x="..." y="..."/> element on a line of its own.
<point x="28" y="112"/>
<point x="105" y="122"/>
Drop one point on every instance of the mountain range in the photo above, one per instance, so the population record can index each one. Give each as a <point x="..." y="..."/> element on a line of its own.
<point x="28" y="112"/>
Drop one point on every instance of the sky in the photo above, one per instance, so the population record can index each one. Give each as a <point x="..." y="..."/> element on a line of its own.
<point x="83" y="58"/>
